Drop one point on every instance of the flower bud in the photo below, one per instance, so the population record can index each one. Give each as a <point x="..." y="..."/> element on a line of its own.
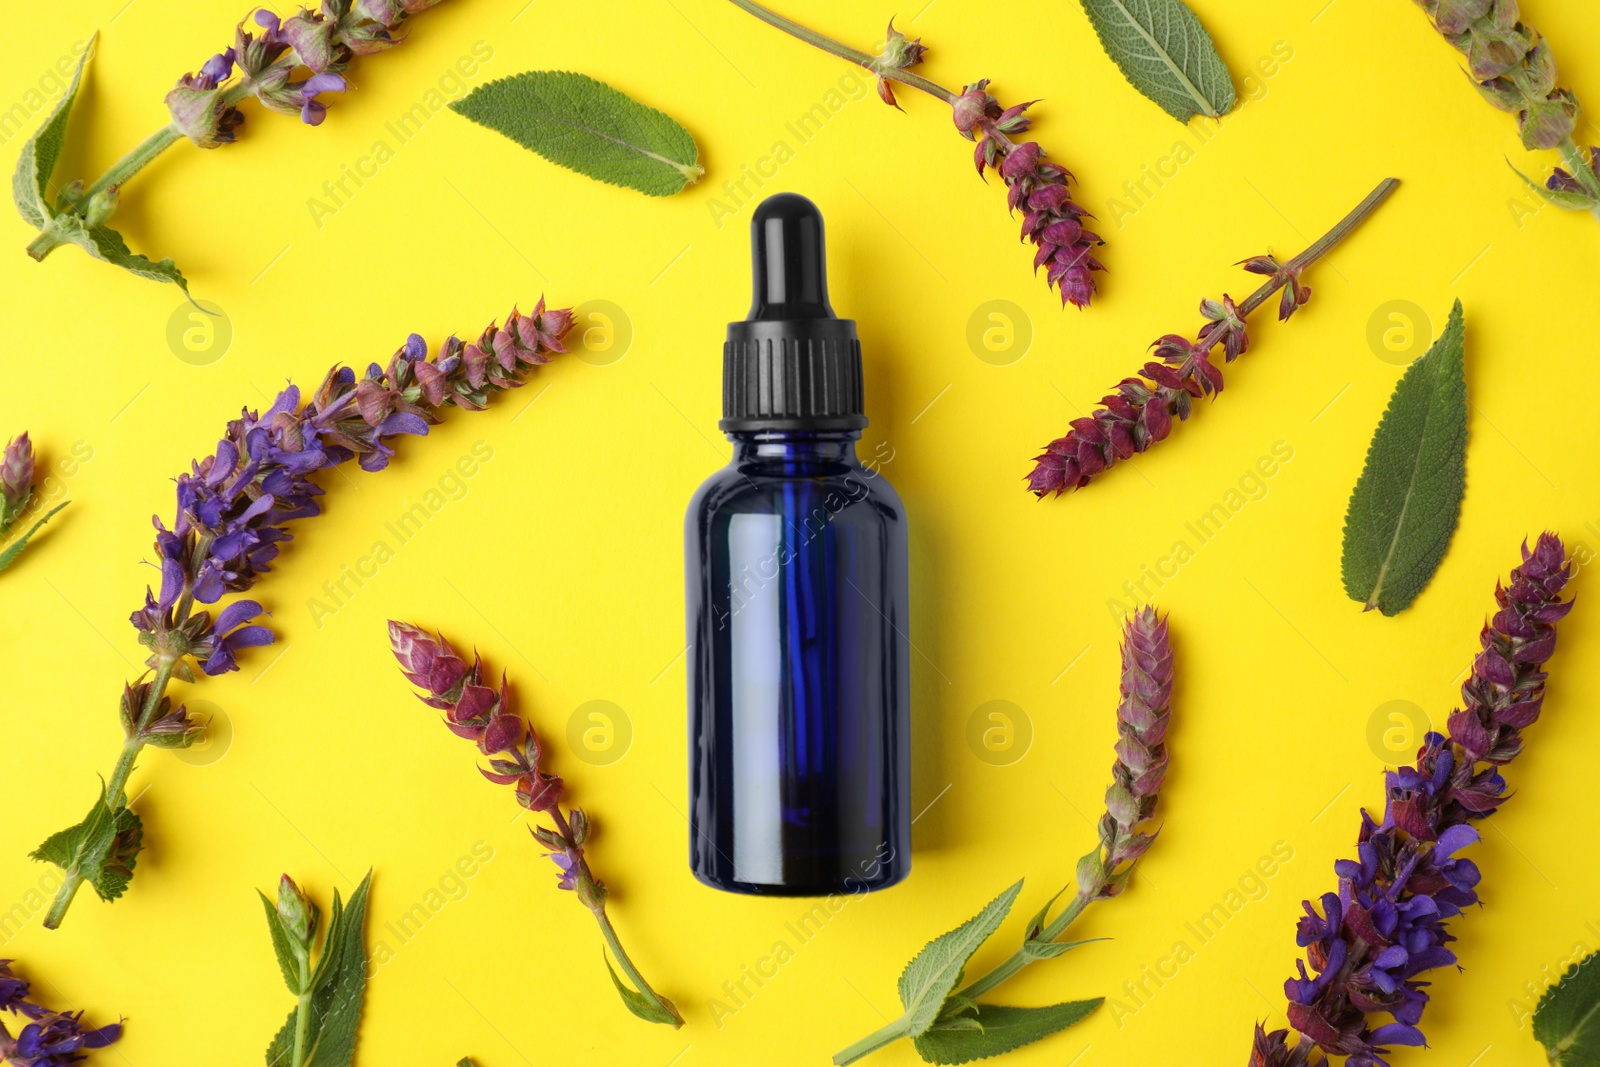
<point x="299" y="915"/>
<point x="1546" y="123"/>
<point x="202" y="115"/>
<point x="968" y="109"/>
<point x="16" y="476"/>
<point x="101" y="206"/>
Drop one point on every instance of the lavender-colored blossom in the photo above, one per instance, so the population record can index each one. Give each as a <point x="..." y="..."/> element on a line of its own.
<point x="49" y="1038"/>
<point x="323" y="41"/>
<point x="234" y="507"/>
<point x="1368" y="945"/>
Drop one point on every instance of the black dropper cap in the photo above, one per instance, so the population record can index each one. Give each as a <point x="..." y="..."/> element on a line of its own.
<point x="791" y="364"/>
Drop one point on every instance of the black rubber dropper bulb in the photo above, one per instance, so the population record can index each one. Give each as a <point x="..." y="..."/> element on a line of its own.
<point x="790" y="270"/>
<point x="791" y="364"/>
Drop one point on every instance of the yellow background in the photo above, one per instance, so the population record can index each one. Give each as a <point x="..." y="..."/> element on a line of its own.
<point x="562" y="561"/>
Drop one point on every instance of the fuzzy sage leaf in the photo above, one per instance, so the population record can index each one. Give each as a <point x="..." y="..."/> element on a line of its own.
<point x="321" y="1030"/>
<point x="100" y="850"/>
<point x="1567" y="1020"/>
<point x="72" y="217"/>
<point x="30" y="183"/>
<point x="1406" y="504"/>
<point x="996" y="1029"/>
<point x="644" y="1007"/>
<point x="1165" y="53"/>
<point x="585" y="125"/>
<point x="933" y="973"/>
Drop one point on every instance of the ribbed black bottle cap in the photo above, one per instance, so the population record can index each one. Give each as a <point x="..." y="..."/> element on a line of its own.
<point x="791" y="364"/>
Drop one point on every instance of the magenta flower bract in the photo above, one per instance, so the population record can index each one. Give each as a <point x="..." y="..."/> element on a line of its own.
<point x="481" y="713"/>
<point x="1368" y="945"/>
<point x="1143" y="409"/>
<point x="1050" y="219"/>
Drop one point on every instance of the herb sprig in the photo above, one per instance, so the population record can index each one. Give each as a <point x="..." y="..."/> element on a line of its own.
<point x="950" y="1025"/>
<point x="1142" y="411"/>
<point x="1036" y="186"/>
<point x="287" y="65"/>
<point x="233" y="510"/>
<point x="329" y="983"/>
<point x="1369" y="945"/>
<point x="481" y="713"/>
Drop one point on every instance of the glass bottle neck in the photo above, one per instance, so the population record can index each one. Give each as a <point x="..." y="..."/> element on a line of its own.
<point x="766" y="447"/>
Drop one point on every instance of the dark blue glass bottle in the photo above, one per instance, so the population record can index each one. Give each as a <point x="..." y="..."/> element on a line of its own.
<point x="799" y="683"/>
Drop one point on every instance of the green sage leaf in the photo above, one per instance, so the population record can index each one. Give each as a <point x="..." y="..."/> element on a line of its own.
<point x="585" y="125"/>
<point x="30" y="183"/>
<point x="1164" y="53"/>
<point x="1566" y="199"/>
<point x="1567" y="1020"/>
<point x="106" y="244"/>
<point x="1001" y="1030"/>
<point x="638" y="1003"/>
<point x="102" y="849"/>
<point x="338" y="987"/>
<point x="14" y="550"/>
<point x="282" y="946"/>
<point x="1407" y="501"/>
<point x="465" y="1061"/>
<point x="934" y="972"/>
<point x="1049" y="950"/>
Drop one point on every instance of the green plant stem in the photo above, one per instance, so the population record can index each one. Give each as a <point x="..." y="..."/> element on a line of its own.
<point x="884" y="1035"/>
<point x="844" y="51"/>
<point x="1572" y="156"/>
<point x="1020" y="959"/>
<point x="609" y="932"/>
<point x="1322" y="246"/>
<point x="134" y="743"/>
<point x="302" y="1011"/>
<point x="126" y="167"/>
<point x="131" y="748"/>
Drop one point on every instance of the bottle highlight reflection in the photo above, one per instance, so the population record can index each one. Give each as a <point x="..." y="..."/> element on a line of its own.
<point x="799" y="685"/>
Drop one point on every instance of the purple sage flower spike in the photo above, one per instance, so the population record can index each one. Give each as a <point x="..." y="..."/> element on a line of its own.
<point x="480" y="712"/>
<point x="234" y="508"/>
<point x="1368" y="945"/>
